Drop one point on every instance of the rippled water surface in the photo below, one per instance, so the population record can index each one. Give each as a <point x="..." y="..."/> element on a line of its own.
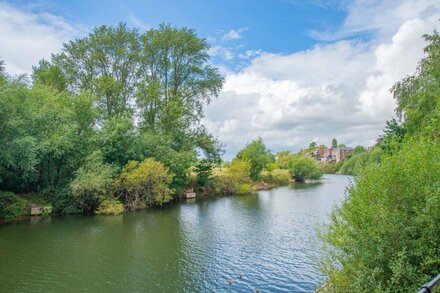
<point x="230" y="244"/>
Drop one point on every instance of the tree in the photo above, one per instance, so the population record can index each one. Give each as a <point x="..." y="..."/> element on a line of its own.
<point x="283" y="158"/>
<point x="358" y="150"/>
<point x="176" y="77"/>
<point x="360" y="159"/>
<point x="117" y="140"/>
<point x="50" y="75"/>
<point x="418" y="95"/>
<point x="385" y="236"/>
<point x="257" y="155"/>
<point x="106" y="63"/>
<point x="342" y="145"/>
<point x="334" y="143"/>
<point x="203" y="171"/>
<point x="392" y="136"/>
<point x="144" y="184"/>
<point x="302" y="168"/>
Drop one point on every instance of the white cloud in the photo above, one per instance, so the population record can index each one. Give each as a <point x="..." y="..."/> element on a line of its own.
<point x="339" y="89"/>
<point x="28" y="37"/>
<point x="234" y="34"/>
<point x="224" y="52"/>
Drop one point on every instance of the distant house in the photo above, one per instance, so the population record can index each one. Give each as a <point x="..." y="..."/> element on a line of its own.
<point x="341" y="153"/>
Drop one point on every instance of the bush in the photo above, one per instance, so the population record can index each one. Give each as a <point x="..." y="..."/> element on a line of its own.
<point x="236" y="178"/>
<point x="11" y="206"/>
<point x="242" y="188"/>
<point x="110" y="207"/>
<point x="276" y="177"/>
<point x="302" y="168"/>
<point x="145" y="184"/>
<point x="92" y="184"/>
<point x="61" y="199"/>
<point x="385" y="237"/>
<point x="355" y="164"/>
<point x="330" y="167"/>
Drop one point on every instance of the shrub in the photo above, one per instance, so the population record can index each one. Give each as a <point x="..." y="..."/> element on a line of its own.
<point x="242" y="188"/>
<point x="385" y="237"/>
<point x="330" y="167"/>
<point x="110" y="207"/>
<point x="145" y="184"/>
<point x="236" y="178"/>
<point x="11" y="206"/>
<point x="61" y="199"/>
<point x="276" y="178"/>
<point x="302" y="168"/>
<point x="92" y="184"/>
<point x="355" y="164"/>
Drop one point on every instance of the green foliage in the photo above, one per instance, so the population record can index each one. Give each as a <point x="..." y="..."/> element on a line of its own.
<point x="359" y="149"/>
<point x="392" y="137"/>
<point x="105" y="63"/>
<point x="385" y="236"/>
<point x="236" y="179"/>
<point x="117" y="139"/>
<point x="358" y="161"/>
<point x="312" y="147"/>
<point x="203" y="171"/>
<point x="257" y="155"/>
<point x="110" y="207"/>
<point x="11" y="206"/>
<point x="176" y="78"/>
<point x="270" y="167"/>
<point x="276" y="177"/>
<point x="144" y="184"/>
<point x="92" y="184"/>
<point x="330" y="167"/>
<point x="334" y="143"/>
<point x="418" y="95"/>
<point x="50" y="75"/>
<point x="302" y="168"/>
<point x="283" y="158"/>
<point x="61" y="199"/>
<point x="127" y="95"/>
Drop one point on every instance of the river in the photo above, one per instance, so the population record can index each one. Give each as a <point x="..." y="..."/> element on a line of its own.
<point x="265" y="241"/>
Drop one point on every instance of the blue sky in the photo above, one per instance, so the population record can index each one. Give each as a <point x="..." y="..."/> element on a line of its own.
<point x="295" y="71"/>
<point x="272" y="25"/>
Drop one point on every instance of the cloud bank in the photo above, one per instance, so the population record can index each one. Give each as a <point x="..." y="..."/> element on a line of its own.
<point x="27" y="37"/>
<point x="338" y="88"/>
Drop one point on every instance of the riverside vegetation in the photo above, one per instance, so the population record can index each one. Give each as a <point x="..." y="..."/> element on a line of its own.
<point x="113" y="124"/>
<point x="385" y="237"/>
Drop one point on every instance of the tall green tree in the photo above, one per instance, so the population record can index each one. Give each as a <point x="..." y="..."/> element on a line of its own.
<point x="418" y="95"/>
<point x="334" y="143"/>
<point x="177" y="79"/>
<point x="257" y="154"/>
<point x="106" y="63"/>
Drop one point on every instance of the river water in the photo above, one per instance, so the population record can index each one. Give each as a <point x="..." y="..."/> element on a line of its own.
<point x="265" y="241"/>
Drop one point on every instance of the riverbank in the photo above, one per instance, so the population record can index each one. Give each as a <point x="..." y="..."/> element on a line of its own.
<point x="215" y="244"/>
<point x="18" y="207"/>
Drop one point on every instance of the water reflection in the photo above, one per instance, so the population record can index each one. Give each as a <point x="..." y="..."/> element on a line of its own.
<point x="264" y="241"/>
